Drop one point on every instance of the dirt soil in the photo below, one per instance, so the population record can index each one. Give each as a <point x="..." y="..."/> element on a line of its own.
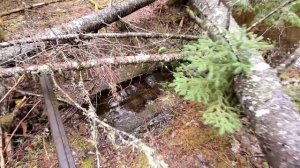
<point x="183" y="141"/>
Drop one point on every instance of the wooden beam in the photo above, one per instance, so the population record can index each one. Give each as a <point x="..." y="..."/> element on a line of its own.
<point x="63" y="150"/>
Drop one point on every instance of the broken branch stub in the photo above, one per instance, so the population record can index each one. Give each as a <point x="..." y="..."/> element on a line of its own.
<point x="275" y="120"/>
<point x="87" y="23"/>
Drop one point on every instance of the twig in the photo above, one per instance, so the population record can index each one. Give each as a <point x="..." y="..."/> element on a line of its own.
<point x="269" y="14"/>
<point x="98" y="35"/>
<point x="77" y="65"/>
<point x="28" y="7"/>
<point x="91" y="112"/>
<point x="2" y="161"/>
<point x="26" y="93"/>
<point x="12" y="88"/>
<point x="23" y="92"/>
<point x="12" y="134"/>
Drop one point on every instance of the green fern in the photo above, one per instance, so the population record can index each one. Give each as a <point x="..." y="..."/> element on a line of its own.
<point x="207" y="71"/>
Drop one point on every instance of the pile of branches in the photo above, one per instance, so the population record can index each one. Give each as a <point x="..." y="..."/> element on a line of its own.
<point x="82" y="65"/>
<point x="61" y="49"/>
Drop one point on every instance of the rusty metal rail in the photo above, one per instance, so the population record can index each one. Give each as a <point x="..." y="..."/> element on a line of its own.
<point x="63" y="150"/>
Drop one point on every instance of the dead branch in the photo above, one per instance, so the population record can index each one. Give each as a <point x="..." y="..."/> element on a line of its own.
<point x="98" y="35"/>
<point x="77" y="65"/>
<point x="26" y="93"/>
<point x="2" y="161"/>
<point x="28" y="7"/>
<point x="273" y="117"/>
<point x="12" y="134"/>
<point x="88" y="23"/>
<point x="12" y="88"/>
<point x="9" y="149"/>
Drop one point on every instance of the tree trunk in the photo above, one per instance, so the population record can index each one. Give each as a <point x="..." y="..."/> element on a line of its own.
<point x="273" y="117"/>
<point x="88" y="23"/>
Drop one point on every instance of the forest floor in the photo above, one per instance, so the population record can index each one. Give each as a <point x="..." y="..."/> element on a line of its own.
<point x="178" y="133"/>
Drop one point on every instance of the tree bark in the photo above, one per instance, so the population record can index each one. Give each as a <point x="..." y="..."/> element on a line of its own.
<point x="273" y="117"/>
<point x="87" y="23"/>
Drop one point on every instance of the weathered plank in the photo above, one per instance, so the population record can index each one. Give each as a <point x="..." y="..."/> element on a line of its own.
<point x="63" y="150"/>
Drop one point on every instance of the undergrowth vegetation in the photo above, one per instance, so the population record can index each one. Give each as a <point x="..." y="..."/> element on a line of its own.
<point x="207" y="71"/>
<point x="286" y="14"/>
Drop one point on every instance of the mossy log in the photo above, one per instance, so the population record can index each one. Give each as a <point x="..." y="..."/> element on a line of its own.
<point x="274" y="119"/>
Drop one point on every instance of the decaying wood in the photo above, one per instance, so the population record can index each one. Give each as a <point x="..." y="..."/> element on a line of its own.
<point x="77" y="65"/>
<point x="88" y="36"/>
<point x="89" y="23"/>
<point x="63" y="150"/>
<point x="28" y="7"/>
<point x="273" y="117"/>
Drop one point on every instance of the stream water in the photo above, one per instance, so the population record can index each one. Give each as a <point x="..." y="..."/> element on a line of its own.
<point x="137" y="103"/>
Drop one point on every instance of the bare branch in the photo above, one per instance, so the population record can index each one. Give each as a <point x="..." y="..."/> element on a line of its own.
<point x="12" y="88"/>
<point x="77" y="65"/>
<point x="2" y="161"/>
<point x="12" y="134"/>
<point x="96" y="35"/>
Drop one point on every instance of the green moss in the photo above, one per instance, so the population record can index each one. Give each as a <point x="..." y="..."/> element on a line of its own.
<point x="6" y="120"/>
<point x="142" y="161"/>
<point x="194" y="138"/>
<point x="80" y="144"/>
<point x="88" y="162"/>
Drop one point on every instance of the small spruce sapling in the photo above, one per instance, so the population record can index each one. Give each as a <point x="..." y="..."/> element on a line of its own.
<point x="207" y="71"/>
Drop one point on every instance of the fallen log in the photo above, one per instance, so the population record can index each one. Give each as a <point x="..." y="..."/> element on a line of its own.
<point x="78" y="65"/>
<point x="97" y="35"/>
<point x="274" y="119"/>
<point x="88" y="23"/>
